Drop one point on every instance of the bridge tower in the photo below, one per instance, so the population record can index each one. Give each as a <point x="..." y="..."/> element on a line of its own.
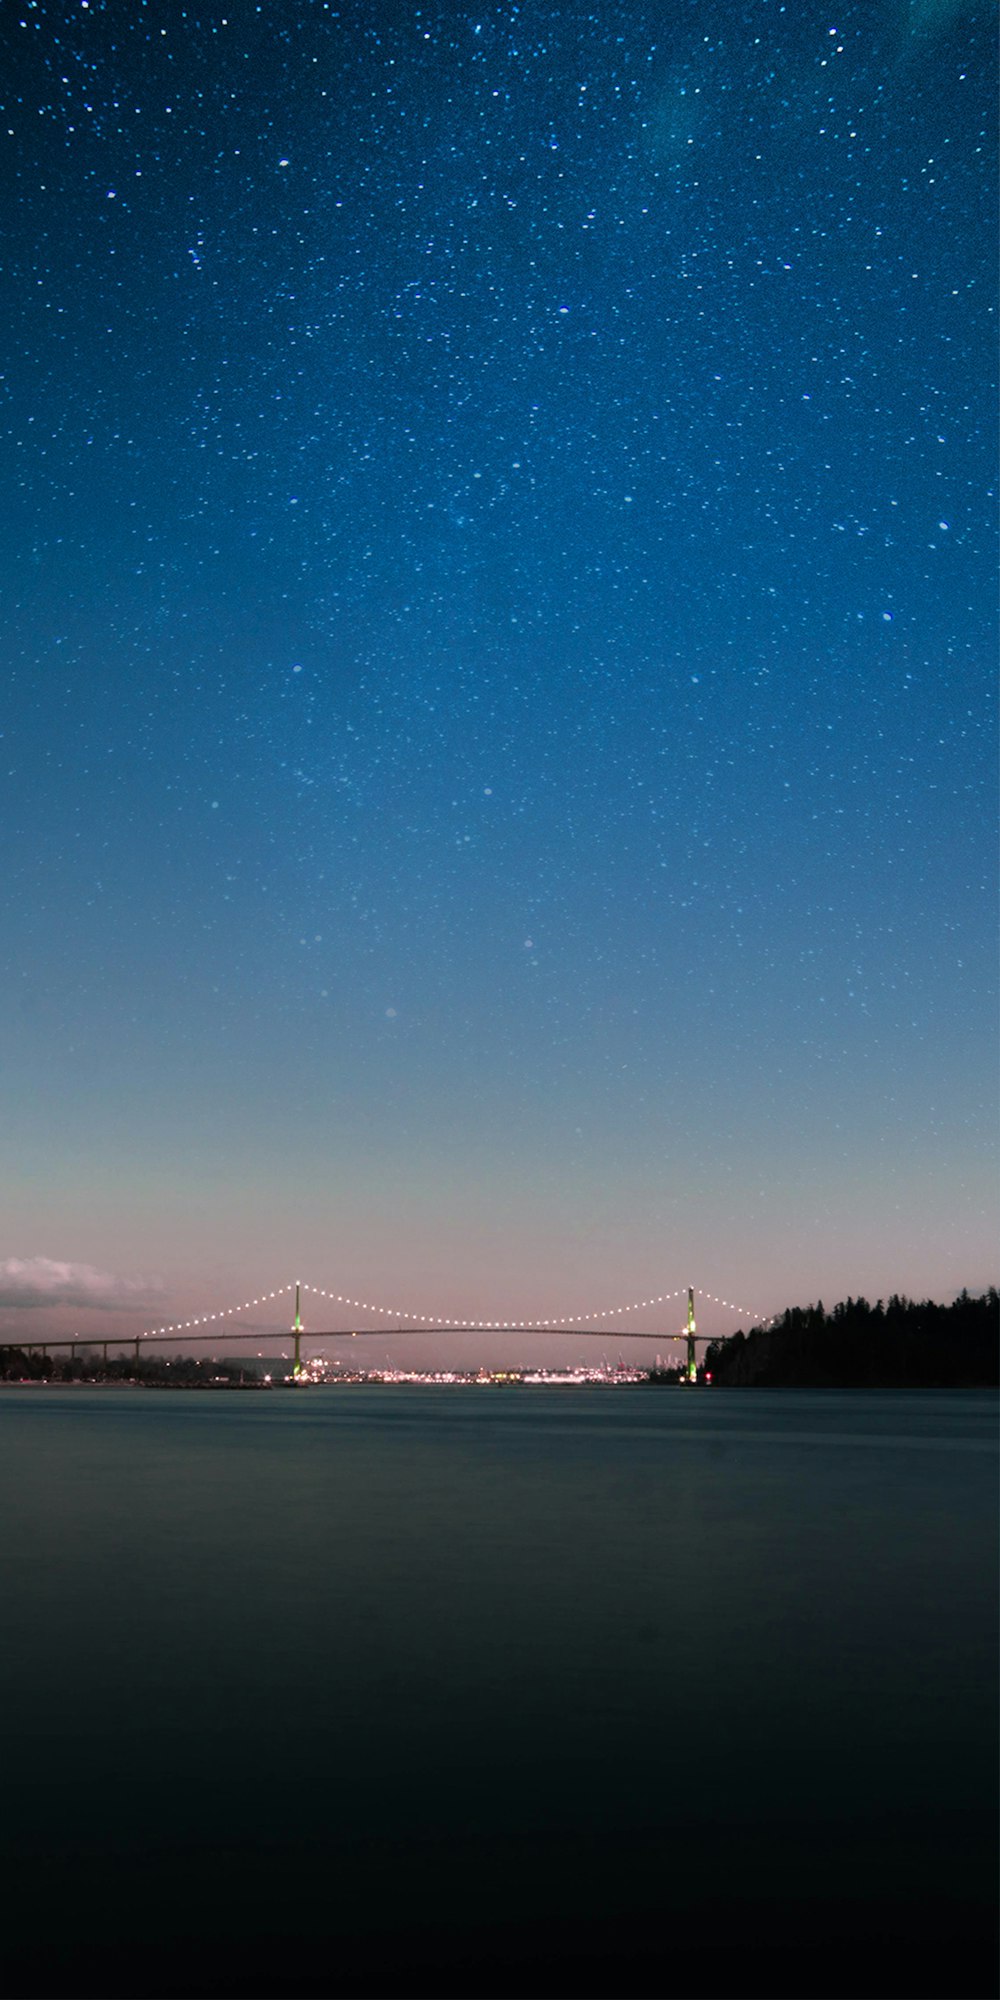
<point x="297" y="1330"/>
<point x="692" y="1363"/>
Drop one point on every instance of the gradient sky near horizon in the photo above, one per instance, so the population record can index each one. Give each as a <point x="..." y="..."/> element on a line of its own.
<point x="499" y="567"/>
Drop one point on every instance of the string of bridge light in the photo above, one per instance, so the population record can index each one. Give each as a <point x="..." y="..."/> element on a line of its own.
<point x="517" y="1325"/>
<point x="225" y="1312"/>
<point x="442" y="1322"/>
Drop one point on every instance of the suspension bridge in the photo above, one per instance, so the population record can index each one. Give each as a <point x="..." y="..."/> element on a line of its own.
<point x="216" y="1328"/>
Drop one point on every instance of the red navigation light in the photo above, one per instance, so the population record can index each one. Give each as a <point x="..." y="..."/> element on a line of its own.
<point x="708" y="1374"/>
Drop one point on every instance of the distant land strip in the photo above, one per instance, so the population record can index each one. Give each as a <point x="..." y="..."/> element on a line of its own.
<point x="900" y="1343"/>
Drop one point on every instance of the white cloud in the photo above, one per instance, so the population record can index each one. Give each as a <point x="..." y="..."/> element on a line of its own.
<point x="43" y="1281"/>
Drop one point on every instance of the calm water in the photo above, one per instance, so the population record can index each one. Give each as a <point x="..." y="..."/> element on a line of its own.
<point x="497" y="1691"/>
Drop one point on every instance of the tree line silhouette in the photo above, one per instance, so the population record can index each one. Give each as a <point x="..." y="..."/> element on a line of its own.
<point x="899" y="1344"/>
<point x="183" y="1371"/>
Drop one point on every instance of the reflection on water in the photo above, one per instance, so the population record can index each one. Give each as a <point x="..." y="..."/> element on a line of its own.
<point x="484" y="1690"/>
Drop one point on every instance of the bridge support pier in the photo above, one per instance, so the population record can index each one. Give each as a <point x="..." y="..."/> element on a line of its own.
<point x="692" y="1359"/>
<point x="297" y="1330"/>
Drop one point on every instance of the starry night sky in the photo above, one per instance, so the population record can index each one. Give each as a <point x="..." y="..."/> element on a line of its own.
<point x="499" y="562"/>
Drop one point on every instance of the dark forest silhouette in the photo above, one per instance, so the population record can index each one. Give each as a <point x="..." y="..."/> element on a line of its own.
<point x="187" y="1371"/>
<point x="900" y="1344"/>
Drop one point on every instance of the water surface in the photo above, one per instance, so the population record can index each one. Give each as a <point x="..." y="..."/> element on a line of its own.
<point x="480" y="1690"/>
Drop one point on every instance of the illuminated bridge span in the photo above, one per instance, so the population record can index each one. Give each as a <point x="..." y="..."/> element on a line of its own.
<point x="213" y="1328"/>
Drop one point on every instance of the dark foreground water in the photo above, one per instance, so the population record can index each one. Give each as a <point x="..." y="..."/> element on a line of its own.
<point x="497" y="1692"/>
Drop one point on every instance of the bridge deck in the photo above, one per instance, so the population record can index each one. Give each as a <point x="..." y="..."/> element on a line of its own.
<point x="223" y="1335"/>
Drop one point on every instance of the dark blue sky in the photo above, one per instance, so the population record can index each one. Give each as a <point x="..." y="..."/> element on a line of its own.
<point x="500" y="575"/>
